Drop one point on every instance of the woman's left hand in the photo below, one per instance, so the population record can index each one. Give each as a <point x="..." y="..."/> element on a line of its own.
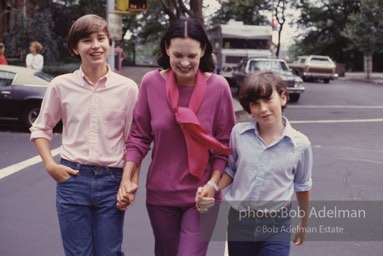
<point x="205" y="198"/>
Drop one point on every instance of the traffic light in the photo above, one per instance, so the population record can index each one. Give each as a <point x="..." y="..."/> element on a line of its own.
<point x="138" y="4"/>
<point x="127" y="6"/>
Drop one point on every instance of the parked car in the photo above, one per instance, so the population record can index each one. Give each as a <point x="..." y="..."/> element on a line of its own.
<point x="248" y="66"/>
<point x="21" y="93"/>
<point x="314" y="67"/>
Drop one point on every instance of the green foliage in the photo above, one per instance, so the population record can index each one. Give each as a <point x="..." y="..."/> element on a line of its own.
<point x="248" y="11"/>
<point x="321" y="24"/>
<point x="365" y="28"/>
<point x="49" y="25"/>
<point x="26" y="31"/>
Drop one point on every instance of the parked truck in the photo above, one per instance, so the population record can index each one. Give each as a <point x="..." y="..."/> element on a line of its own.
<point x="234" y="41"/>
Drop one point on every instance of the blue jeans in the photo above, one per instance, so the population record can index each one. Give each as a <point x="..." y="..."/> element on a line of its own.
<point x="90" y="223"/>
<point x="253" y="236"/>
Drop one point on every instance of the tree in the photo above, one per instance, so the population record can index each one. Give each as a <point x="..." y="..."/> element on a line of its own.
<point x="365" y="31"/>
<point x="321" y="24"/>
<point x="177" y="8"/>
<point x="147" y="28"/>
<point x="247" y="11"/>
<point x="281" y="19"/>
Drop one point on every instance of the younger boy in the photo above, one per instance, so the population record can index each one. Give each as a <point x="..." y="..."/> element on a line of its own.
<point x="270" y="161"/>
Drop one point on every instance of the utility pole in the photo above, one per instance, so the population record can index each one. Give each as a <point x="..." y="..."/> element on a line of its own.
<point x="110" y="9"/>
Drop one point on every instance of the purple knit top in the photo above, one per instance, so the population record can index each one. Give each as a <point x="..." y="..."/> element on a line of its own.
<point x="169" y="182"/>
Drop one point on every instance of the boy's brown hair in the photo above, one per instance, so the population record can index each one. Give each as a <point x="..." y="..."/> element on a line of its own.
<point x="260" y="85"/>
<point x="83" y="27"/>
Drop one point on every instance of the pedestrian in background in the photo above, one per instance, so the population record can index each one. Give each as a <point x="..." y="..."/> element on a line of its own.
<point x="119" y="57"/>
<point x="34" y="59"/>
<point x="96" y="107"/>
<point x="270" y="161"/>
<point x="186" y="111"/>
<point x="3" y="59"/>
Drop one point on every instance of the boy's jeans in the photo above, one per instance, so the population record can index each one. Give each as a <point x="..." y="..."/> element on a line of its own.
<point x="268" y="236"/>
<point x="90" y="223"/>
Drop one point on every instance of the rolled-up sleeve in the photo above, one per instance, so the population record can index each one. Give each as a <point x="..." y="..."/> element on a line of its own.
<point x="302" y="178"/>
<point x="231" y="167"/>
<point x="49" y="115"/>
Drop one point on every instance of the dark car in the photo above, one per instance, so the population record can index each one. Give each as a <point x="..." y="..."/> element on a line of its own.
<point x="21" y="93"/>
<point x="248" y="66"/>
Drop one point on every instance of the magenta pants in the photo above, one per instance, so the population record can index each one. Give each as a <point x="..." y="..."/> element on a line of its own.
<point x="177" y="230"/>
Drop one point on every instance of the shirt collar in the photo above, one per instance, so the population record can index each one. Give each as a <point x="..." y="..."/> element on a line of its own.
<point x="103" y="81"/>
<point x="289" y="132"/>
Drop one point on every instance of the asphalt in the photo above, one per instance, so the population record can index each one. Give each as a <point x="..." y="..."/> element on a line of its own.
<point x="137" y="72"/>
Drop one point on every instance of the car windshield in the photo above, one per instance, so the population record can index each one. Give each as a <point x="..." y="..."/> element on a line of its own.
<point x="258" y="65"/>
<point x="44" y="76"/>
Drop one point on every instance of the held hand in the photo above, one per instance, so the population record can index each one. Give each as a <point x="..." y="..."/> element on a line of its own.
<point x="126" y="195"/>
<point x="60" y="173"/>
<point x="203" y="200"/>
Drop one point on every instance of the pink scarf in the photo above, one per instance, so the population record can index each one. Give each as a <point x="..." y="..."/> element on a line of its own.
<point x="198" y="140"/>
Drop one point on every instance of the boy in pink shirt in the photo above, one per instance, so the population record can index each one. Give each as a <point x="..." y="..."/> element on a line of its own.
<point x="95" y="106"/>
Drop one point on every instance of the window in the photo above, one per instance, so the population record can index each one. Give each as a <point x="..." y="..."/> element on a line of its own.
<point x="238" y="43"/>
<point x="267" y="65"/>
<point x="6" y="78"/>
<point x="320" y="61"/>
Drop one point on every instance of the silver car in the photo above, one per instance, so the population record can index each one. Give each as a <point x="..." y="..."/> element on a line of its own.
<point x="21" y="93"/>
<point x="248" y="66"/>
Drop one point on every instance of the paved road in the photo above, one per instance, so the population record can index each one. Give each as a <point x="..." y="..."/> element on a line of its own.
<point x="343" y="120"/>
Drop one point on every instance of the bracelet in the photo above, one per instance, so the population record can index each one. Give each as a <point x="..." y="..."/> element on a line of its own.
<point x="213" y="184"/>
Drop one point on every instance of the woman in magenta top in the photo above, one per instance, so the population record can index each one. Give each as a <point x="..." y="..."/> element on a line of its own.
<point x="185" y="112"/>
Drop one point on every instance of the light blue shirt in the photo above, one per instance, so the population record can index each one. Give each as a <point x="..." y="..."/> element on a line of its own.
<point x="266" y="176"/>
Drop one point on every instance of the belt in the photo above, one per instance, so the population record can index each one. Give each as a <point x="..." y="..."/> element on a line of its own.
<point x="78" y="166"/>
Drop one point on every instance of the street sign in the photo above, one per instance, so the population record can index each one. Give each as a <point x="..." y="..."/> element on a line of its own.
<point x="115" y="26"/>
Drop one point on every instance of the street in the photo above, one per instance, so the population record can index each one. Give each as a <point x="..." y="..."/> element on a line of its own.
<point x="342" y="119"/>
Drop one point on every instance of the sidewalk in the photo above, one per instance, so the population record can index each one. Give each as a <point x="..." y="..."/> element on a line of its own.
<point x="375" y="78"/>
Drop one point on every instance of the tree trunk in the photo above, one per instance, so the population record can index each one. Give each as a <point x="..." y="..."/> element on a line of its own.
<point x="368" y="65"/>
<point x="196" y="9"/>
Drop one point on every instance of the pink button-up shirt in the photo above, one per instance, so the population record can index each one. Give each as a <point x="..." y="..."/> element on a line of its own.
<point x="96" y="117"/>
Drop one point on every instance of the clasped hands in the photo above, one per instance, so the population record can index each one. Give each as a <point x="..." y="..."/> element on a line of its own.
<point x="126" y="194"/>
<point x="204" y="198"/>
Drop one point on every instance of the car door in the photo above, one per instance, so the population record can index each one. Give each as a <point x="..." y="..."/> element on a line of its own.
<point x="6" y="94"/>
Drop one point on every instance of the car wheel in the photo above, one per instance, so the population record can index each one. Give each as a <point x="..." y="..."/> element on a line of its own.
<point x="294" y="97"/>
<point x="326" y="81"/>
<point x="30" y="114"/>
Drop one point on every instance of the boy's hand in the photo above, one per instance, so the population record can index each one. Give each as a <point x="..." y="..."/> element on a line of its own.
<point x="126" y="195"/>
<point x="60" y="173"/>
<point x="204" y="198"/>
<point x="300" y="236"/>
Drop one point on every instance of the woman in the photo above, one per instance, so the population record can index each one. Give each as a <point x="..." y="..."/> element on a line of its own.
<point x="34" y="59"/>
<point x="186" y="111"/>
<point x="96" y="108"/>
<point x="3" y="59"/>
